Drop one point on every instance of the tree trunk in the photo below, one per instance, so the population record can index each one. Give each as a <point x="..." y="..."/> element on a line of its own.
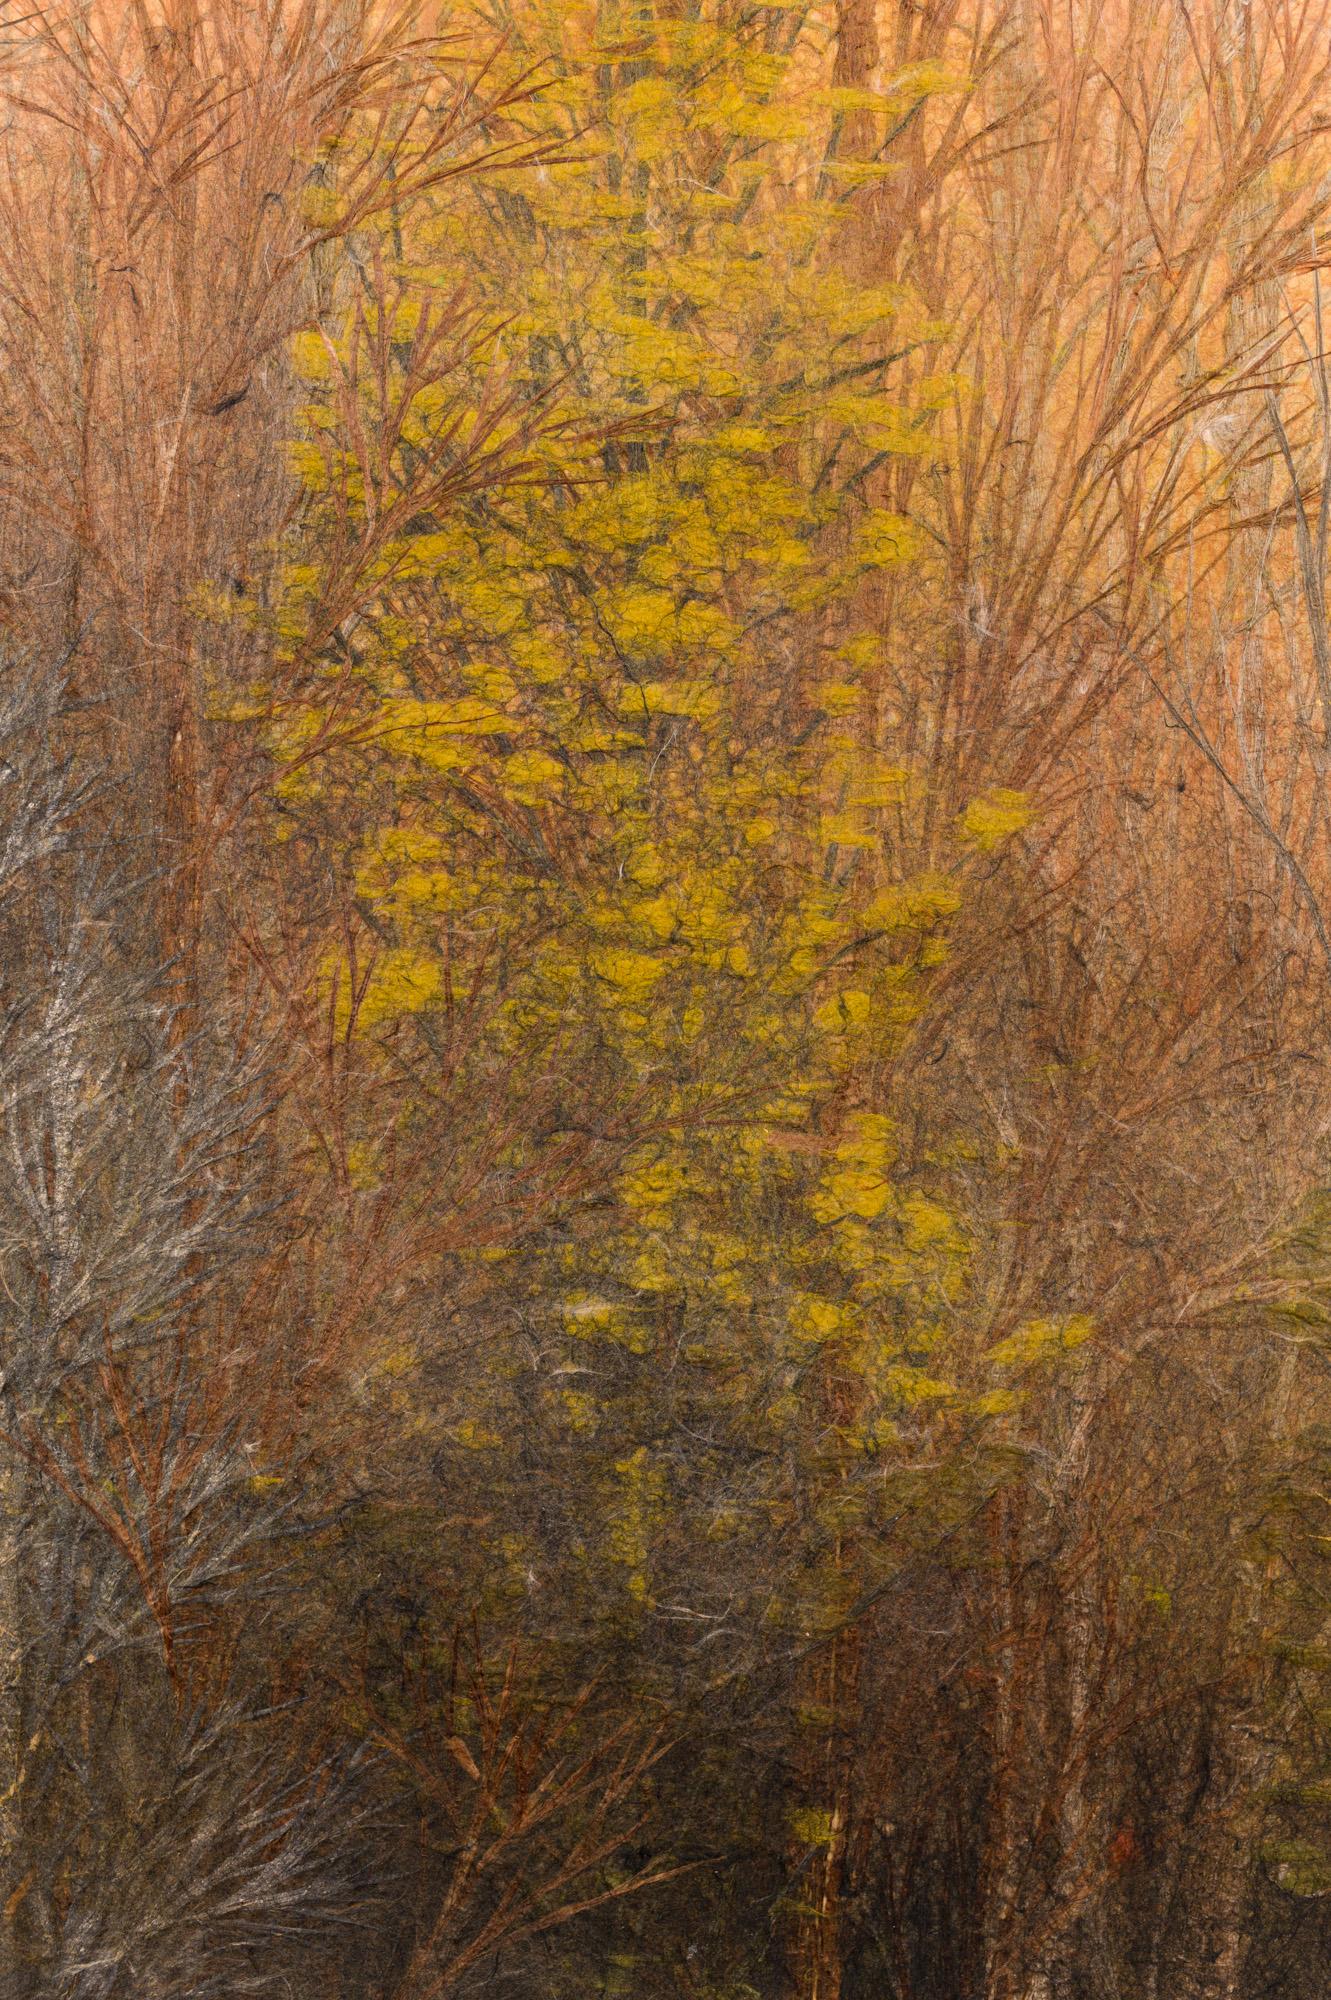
<point x="12" y="1979"/>
<point x="820" y="1941"/>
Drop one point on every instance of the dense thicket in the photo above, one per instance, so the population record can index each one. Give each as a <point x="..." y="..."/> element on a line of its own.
<point x="664" y="931"/>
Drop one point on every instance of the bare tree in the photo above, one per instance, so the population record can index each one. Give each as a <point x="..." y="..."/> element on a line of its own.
<point x="160" y="1837"/>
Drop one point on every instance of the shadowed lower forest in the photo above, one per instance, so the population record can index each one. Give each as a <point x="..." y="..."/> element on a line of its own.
<point x="665" y="1000"/>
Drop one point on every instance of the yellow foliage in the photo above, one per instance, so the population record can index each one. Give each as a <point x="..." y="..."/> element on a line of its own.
<point x="991" y="820"/>
<point x="844" y="1012"/>
<point x="531" y="775"/>
<point x="632" y="1518"/>
<point x="476" y="1437"/>
<point x="400" y="982"/>
<point x="925" y="1222"/>
<point x="816" y="1319"/>
<point x="633" y="974"/>
<point x="624" y="854"/>
<point x="812" y="1827"/>
<point x="1041" y="1340"/>
<point x="916" y="905"/>
<point x="852" y="1190"/>
<point x="690" y="698"/>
